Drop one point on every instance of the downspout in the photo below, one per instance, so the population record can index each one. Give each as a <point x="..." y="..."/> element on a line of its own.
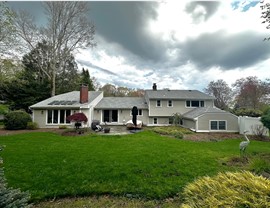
<point x="196" y="124"/>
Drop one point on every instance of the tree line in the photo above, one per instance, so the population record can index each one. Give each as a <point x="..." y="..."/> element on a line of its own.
<point x="248" y="96"/>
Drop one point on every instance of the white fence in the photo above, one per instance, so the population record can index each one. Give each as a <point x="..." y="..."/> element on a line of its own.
<point x="252" y="125"/>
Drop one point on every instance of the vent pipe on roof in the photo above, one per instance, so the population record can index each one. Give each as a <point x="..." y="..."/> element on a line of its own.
<point x="84" y="94"/>
<point x="154" y="86"/>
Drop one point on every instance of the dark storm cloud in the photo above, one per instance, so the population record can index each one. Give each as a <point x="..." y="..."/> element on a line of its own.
<point x="227" y="51"/>
<point x="209" y="6"/>
<point x="124" y="23"/>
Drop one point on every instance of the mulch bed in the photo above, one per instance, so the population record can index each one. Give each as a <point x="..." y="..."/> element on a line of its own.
<point x="214" y="137"/>
<point x="4" y="132"/>
<point x="210" y="137"/>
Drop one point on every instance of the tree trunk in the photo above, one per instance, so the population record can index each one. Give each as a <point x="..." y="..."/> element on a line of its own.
<point x="53" y="82"/>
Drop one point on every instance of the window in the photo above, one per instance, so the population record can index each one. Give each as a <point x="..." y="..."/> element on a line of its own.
<point x="170" y="103"/>
<point x="158" y="103"/>
<point x="57" y="116"/>
<point x="68" y="113"/>
<point x="62" y="116"/>
<point x="218" y="125"/>
<point x="155" y="121"/>
<point x="202" y="103"/>
<point x="194" y="103"/>
<point x="49" y="116"/>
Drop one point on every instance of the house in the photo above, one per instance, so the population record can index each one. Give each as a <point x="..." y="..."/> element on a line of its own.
<point x="155" y="108"/>
<point x="52" y="112"/>
<point x="162" y="104"/>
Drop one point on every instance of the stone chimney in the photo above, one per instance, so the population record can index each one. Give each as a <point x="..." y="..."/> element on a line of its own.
<point x="154" y="86"/>
<point x="84" y="94"/>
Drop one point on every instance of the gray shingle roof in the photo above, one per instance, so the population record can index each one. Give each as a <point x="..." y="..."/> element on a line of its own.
<point x="178" y="94"/>
<point x="121" y="103"/>
<point x="199" y="111"/>
<point x="73" y="97"/>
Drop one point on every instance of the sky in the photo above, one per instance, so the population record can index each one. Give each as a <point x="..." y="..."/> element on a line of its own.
<point x="176" y="44"/>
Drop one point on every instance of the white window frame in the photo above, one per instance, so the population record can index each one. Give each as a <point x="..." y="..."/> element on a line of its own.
<point x="155" y="120"/>
<point x="58" y="116"/>
<point x="160" y="103"/>
<point x="218" y="125"/>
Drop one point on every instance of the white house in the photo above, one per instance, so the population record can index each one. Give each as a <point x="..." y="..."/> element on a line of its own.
<point x="155" y="108"/>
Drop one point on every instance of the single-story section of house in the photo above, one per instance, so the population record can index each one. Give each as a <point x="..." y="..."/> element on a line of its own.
<point x="117" y="110"/>
<point x="52" y="112"/>
<point x="210" y="119"/>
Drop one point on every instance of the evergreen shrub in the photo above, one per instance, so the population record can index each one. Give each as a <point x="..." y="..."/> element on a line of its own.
<point x="12" y="198"/>
<point x="16" y="120"/>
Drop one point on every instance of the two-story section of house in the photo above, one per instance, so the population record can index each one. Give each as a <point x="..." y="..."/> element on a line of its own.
<point x="162" y="104"/>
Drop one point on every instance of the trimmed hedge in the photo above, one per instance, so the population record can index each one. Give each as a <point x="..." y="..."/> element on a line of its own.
<point x="16" y="120"/>
<point x="239" y="189"/>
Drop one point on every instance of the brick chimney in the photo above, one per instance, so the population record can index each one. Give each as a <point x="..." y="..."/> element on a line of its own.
<point x="84" y="94"/>
<point x="154" y="86"/>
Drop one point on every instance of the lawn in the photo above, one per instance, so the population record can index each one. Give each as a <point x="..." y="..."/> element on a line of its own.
<point x="142" y="165"/>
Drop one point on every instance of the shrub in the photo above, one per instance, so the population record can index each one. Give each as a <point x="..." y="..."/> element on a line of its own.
<point x="177" y="132"/>
<point x="63" y="127"/>
<point x="32" y="125"/>
<point x="15" y="120"/>
<point x="259" y="165"/>
<point x="239" y="189"/>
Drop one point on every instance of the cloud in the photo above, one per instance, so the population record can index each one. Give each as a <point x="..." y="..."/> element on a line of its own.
<point x="202" y="10"/>
<point x="225" y="50"/>
<point x="125" y="23"/>
<point x="90" y="65"/>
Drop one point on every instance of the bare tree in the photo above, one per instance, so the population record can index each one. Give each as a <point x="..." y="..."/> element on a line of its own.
<point x="7" y="29"/>
<point x="250" y="92"/>
<point x="265" y="7"/>
<point x="68" y="29"/>
<point x="221" y="91"/>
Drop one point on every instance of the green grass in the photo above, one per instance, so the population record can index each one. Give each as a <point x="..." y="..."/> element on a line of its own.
<point x="142" y="165"/>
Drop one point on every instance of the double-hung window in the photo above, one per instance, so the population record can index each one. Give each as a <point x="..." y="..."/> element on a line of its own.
<point x="158" y="103"/>
<point x="170" y="103"/>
